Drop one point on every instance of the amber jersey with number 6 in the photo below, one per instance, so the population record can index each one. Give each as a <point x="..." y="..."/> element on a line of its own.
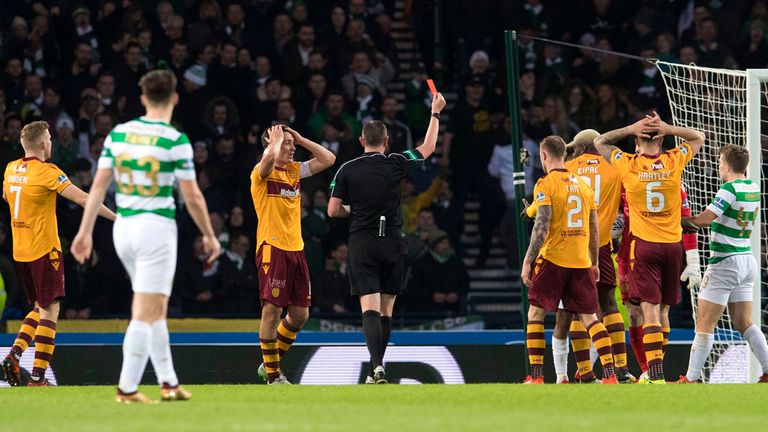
<point x="652" y="187"/>
<point x="605" y="181"/>
<point x="30" y="187"/>
<point x="571" y="199"/>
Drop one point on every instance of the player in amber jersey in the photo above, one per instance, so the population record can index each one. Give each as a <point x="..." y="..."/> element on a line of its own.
<point x="691" y="274"/>
<point x="652" y="180"/>
<point x="605" y="181"/>
<point x="566" y="224"/>
<point x="283" y="273"/>
<point x="31" y="187"/>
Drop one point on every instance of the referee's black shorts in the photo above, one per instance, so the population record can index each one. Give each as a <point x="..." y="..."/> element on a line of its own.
<point x="376" y="264"/>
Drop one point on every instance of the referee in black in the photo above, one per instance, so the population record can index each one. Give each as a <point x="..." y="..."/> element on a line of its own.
<point x="367" y="189"/>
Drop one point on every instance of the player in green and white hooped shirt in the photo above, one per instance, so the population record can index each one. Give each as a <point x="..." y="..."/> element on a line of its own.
<point x="145" y="157"/>
<point x="731" y="273"/>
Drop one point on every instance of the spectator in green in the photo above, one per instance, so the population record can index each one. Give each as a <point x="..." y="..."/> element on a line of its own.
<point x="334" y="107"/>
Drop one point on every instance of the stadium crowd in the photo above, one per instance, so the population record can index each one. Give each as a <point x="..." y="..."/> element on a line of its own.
<point x="324" y="67"/>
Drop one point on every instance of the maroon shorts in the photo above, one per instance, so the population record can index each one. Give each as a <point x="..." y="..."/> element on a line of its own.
<point x="552" y="283"/>
<point x="607" y="280"/>
<point x="43" y="278"/>
<point x="283" y="277"/>
<point x="654" y="272"/>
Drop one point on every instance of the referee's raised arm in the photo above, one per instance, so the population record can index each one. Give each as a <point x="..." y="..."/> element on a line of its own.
<point x="430" y="138"/>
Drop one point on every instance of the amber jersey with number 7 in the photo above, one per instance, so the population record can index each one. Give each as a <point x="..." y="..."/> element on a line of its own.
<point x="31" y="187"/>
<point x="652" y="185"/>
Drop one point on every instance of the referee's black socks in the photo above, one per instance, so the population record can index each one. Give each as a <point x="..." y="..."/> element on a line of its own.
<point x="372" y="329"/>
<point x="386" y="330"/>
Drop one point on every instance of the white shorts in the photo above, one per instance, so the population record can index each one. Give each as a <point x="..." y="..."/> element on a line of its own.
<point x="730" y="280"/>
<point x="147" y="246"/>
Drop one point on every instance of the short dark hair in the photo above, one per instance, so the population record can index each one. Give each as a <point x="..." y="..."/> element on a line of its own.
<point x="375" y="133"/>
<point x="736" y="157"/>
<point x="158" y="86"/>
<point x="131" y="45"/>
<point x="554" y="146"/>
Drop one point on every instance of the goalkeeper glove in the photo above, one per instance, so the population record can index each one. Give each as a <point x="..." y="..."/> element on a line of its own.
<point x="691" y="272"/>
<point x="688" y="226"/>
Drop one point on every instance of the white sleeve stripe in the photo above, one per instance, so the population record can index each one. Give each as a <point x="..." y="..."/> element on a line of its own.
<point x="304" y="170"/>
<point x="715" y="209"/>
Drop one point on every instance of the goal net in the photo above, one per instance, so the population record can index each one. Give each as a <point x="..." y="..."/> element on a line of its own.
<point x="729" y="107"/>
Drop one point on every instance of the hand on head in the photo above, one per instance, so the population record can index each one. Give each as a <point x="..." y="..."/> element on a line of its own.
<point x="275" y="135"/>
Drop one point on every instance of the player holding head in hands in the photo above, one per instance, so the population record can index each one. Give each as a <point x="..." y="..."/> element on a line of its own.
<point x="31" y="187"/>
<point x="652" y="180"/>
<point x="563" y="257"/>
<point x="732" y="269"/>
<point x="283" y="272"/>
<point x="367" y="189"/>
<point x="146" y="156"/>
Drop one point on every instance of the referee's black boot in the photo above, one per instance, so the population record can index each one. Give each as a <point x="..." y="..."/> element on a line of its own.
<point x="379" y="377"/>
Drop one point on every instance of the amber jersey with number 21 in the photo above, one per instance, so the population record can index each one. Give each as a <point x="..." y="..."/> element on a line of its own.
<point x="652" y="187"/>
<point x="605" y="181"/>
<point x="30" y="187"/>
<point x="572" y="201"/>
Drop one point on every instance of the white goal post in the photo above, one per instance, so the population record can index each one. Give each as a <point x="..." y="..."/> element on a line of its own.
<point x="727" y="105"/>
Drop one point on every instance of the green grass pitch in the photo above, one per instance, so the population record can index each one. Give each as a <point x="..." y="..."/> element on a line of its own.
<point x="486" y="407"/>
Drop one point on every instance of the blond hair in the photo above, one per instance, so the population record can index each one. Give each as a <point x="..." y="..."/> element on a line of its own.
<point x="31" y="134"/>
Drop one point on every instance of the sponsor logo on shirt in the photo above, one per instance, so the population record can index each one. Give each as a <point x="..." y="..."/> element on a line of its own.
<point x="21" y="168"/>
<point x="719" y="203"/>
<point x="593" y="161"/>
<point x="657" y="165"/>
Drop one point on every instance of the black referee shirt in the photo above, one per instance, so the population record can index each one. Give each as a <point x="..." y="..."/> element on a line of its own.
<point x="370" y="185"/>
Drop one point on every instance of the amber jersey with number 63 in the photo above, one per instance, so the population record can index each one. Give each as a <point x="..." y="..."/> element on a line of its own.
<point x="572" y="201"/>
<point x="652" y="187"/>
<point x="30" y="187"/>
<point x="605" y="182"/>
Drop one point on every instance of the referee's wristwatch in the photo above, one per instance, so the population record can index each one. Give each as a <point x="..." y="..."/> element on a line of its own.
<point x="436" y="115"/>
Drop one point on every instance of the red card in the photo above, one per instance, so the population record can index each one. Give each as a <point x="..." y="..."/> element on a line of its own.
<point x="432" y="87"/>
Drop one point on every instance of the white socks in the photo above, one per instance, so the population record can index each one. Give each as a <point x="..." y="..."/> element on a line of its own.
<point x="160" y="354"/>
<point x="560" y="354"/>
<point x="136" y="344"/>
<point x="702" y="345"/>
<point x="758" y="345"/>
<point x="593" y="356"/>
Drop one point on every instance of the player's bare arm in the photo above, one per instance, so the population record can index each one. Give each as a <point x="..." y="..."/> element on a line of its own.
<point x="323" y="158"/>
<point x="275" y="136"/>
<point x="82" y="245"/>
<point x="198" y="209"/>
<point x="691" y="136"/>
<point x="605" y="143"/>
<point x="430" y="138"/>
<point x="337" y="209"/>
<point x="77" y="196"/>
<point x="538" y="236"/>
<point x="594" y="243"/>
<point x="703" y="219"/>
